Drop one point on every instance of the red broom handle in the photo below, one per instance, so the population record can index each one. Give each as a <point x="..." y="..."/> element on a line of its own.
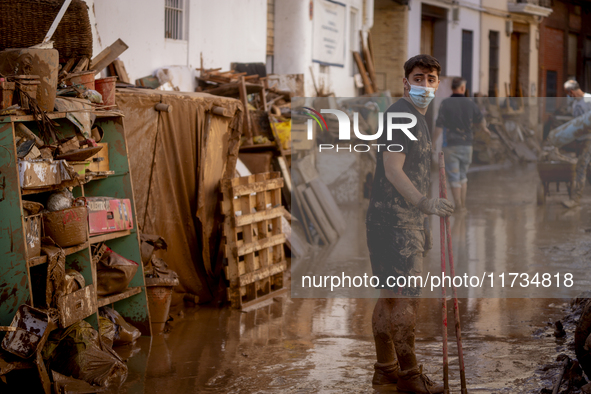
<point x="452" y="271"/>
<point x="443" y="295"/>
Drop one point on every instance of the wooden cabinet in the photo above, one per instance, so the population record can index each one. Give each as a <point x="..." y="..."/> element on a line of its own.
<point x="19" y="275"/>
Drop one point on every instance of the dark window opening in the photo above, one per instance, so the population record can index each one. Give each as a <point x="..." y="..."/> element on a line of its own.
<point x="493" y="63"/>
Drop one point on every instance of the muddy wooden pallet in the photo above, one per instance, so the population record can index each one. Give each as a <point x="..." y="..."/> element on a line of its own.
<point x="254" y="238"/>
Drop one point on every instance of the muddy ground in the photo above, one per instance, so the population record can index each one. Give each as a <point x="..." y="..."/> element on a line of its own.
<point x="306" y="345"/>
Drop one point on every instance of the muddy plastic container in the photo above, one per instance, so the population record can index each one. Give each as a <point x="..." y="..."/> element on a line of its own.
<point x="106" y="87"/>
<point x="159" y="292"/>
<point x="85" y="78"/>
<point x="31" y="331"/>
<point x="6" y="93"/>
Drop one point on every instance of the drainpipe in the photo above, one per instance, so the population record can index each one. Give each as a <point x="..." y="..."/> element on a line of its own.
<point x="188" y="30"/>
<point x="480" y="87"/>
<point x="368" y="21"/>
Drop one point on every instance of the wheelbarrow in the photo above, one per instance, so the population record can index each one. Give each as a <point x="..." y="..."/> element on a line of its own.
<point x="555" y="171"/>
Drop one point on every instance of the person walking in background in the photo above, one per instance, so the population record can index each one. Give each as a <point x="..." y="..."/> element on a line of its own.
<point x="581" y="105"/>
<point x="457" y="118"/>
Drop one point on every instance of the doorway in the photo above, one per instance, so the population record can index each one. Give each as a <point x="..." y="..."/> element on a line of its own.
<point x="519" y="78"/>
<point x="434" y="33"/>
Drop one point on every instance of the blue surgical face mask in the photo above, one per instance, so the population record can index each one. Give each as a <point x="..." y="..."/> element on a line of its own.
<point x="421" y="96"/>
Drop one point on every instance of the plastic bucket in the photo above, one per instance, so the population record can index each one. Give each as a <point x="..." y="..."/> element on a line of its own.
<point x="159" y="298"/>
<point x="106" y="87"/>
<point x="6" y="94"/>
<point x="84" y="78"/>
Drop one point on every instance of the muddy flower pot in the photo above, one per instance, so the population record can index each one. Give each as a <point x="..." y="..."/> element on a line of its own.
<point x="106" y="87"/>
<point x="6" y="94"/>
<point x="85" y="78"/>
<point x="159" y="292"/>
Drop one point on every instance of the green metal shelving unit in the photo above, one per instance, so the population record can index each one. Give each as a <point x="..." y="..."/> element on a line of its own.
<point x="16" y="271"/>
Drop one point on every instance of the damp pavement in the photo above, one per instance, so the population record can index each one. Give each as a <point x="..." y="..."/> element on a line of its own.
<point x="325" y="345"/>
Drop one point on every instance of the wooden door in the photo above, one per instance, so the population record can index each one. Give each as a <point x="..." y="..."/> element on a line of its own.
<point x="514" y="88"/>
<point x="427" y="36"/>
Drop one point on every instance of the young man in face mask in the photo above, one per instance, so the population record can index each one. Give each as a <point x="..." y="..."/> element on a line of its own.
<point x="398" y="234"/>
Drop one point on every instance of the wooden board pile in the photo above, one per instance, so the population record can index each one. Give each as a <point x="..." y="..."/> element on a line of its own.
<point x="365" y="64"/>
<point x="107" y="58"/>
<point x="253" y="238"/>
<point x="316" y="206"/>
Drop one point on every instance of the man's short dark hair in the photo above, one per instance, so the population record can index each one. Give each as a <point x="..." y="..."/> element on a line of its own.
<point x="424" y="62"/>
<point x="457" y="83"/>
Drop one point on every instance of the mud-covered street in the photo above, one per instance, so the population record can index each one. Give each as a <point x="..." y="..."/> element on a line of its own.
<point x="297" y="345"/>
<point x="283" y="196"/>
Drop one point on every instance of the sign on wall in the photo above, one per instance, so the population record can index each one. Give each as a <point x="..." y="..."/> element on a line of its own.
<point x="329" y="33"/>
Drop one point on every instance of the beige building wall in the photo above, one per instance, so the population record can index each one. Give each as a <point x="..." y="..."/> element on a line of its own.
<point x="495" y="17"/>
<point x="500" y="5"/>
<point x="534" y="68"/>
<point x="389" y="36"/>
<point x="496" y="23"/>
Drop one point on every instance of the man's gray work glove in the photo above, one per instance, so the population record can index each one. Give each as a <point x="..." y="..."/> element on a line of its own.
<point x="436" y="206"/>
<point x="428" y="235"/>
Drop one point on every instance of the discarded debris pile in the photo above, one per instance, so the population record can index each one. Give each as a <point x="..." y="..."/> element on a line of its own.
<point x="571" y="370"/>
<point x="268" y="108"/>
<point x="32" y="78"/>
<point x="511" y="137"/>
<point x="75" y="356"/>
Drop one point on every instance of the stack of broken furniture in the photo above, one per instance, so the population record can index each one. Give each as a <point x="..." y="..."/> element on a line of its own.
<point x="512" y="137"/>
<point x="267" y="106"/>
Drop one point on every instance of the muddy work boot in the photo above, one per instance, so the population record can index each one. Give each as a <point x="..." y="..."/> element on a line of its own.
<point x="414" y="381"/>
<point x="385" y="374"/>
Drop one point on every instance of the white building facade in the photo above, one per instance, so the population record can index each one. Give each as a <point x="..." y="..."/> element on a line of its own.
<point x="287" y="35"/>
<point x="163" y="33"/>
<point x="300" y="41"/>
